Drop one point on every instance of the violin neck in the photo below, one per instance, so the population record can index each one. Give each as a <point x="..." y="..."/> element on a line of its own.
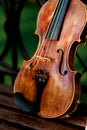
<point x="54" y="29"/>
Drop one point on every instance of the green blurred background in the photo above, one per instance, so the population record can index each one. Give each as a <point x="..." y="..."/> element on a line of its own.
<point x="27" y="29"/>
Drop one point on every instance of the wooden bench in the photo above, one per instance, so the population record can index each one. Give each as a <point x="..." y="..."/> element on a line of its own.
<point x="11" y="117"/>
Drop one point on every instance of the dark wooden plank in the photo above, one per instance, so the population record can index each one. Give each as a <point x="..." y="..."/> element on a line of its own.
<point x="26" y="121"/>
<point x="12" y="117"/>
<point x="4" y="89"/>
<point x="7" y="99"/>
<point x="6" y="126"/>
<point x="77" y="120"/>
<point x="79" y="117"/>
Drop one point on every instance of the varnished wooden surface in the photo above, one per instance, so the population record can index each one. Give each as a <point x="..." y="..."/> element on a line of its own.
<point x="12" y="118"/>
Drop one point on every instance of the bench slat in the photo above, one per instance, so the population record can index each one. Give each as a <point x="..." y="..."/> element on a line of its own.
<point x="27" y="121"/>
<point x="12" y="117"/>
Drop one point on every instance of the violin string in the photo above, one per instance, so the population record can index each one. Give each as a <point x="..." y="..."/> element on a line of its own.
<point x="57" y="22"/>
<point x="60" y="5"/>
<point x="39" y="55"/>
<point x="53" y="26"/>
<point x="47" y="52"/>
<point x="41" y="48"/>
<point x="50" y="43"/>
<point x="50" y="27"/>
<point x="56" y="15"/>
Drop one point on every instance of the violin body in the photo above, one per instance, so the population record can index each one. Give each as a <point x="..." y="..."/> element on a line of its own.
<point x="48" y="79"/>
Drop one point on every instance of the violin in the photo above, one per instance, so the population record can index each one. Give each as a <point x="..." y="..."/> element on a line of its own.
<point x="48" y="81"/>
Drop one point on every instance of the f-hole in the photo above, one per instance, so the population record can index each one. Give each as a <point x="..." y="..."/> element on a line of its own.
<point x="65" y="71"/>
